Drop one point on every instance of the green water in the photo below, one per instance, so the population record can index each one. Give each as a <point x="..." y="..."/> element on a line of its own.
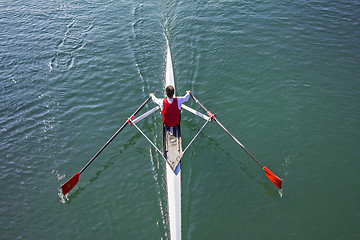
<point x="282" y="76"/>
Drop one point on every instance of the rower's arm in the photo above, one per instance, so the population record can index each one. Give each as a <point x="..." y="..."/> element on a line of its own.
<point x="157" y="101"/>
<point x="183" y="99"/>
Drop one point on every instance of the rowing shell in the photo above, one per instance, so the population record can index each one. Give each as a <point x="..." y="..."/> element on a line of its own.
<point x="172" y="152"/>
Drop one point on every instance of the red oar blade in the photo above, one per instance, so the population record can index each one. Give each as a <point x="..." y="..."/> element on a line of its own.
<point x="70" y="184"/>
<point x="273" y="178"/>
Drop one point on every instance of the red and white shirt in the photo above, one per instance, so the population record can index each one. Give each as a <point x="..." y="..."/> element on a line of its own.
<point x="171" y="108"/>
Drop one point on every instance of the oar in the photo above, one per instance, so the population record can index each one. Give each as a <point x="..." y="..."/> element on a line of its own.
<point x="70" y="184"/>
<point x="273" y="178"/>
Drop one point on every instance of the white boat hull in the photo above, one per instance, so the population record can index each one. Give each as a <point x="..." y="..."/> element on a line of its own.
<point x="173" y="181"/>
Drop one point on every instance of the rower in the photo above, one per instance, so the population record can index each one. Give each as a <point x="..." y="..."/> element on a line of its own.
<point x="171" y="110"/>
<point x="170" y="106"/>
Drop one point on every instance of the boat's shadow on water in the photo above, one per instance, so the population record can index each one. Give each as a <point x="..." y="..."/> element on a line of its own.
<point x="268" y="187"/>
<point x="122" y="148"/>
<point x="79" y="190"/>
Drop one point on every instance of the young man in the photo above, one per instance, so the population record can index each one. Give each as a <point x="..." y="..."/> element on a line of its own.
<point x="170" y="106"/>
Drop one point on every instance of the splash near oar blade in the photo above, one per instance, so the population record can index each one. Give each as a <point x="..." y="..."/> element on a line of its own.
<point x="273" y="178"/>
<point x="70" y="184"/>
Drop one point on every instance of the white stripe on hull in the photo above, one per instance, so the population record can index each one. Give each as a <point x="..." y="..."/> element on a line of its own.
<point x="173" y="181"/>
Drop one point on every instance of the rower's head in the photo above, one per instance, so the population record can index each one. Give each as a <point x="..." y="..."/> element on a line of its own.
<point x="169" y="91"/>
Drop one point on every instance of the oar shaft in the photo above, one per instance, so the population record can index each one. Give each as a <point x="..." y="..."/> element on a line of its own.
<point x="273" y="178"/>
<point x="103" y="147"/>
<point x="112" y="138"/>
<point x="222" y="126"/>
<point x="238" y="142"/>
<point x="70" y="184"/>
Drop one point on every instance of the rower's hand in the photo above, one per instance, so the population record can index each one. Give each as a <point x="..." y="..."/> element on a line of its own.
<point x="188" y="91"/>
<point x="151" y="94"/>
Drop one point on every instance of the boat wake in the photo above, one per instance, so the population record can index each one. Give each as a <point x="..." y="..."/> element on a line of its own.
<point x="160" y="184"/>
<point x="74" y="39"/>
